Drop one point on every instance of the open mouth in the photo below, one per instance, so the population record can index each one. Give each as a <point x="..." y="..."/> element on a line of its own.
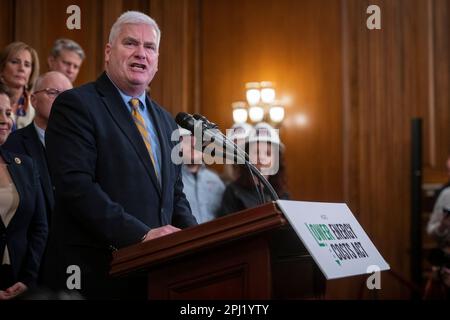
<point x="138" y="66"/>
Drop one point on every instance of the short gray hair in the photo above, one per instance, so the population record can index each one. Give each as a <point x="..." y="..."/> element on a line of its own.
<point x="42" y="76"/>
<point x="133" y="17"/>
<point x="66" y="44"/>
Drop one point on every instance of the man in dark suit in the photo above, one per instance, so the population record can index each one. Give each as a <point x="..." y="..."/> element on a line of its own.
<point x="109" y="153"/>
<point x="30" y="140"/>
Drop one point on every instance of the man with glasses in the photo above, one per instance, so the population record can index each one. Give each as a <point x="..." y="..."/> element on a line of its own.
<point x="30" y="140"/>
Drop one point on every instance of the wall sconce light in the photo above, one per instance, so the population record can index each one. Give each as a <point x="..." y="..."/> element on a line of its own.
<point x="267" y="92"/>
<point x="240" y="113"/>
<point x="253" y="94"/>
<point x="261" y="104"/>
<point x="276" y="113"/>
<point x="256" y="113"/>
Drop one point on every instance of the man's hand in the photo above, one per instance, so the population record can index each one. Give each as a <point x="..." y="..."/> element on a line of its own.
<point x="13" y="291"/>
<point x="159" y="232"/>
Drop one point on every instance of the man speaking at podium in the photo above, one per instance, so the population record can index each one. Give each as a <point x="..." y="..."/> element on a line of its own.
<point x="108" y="147"/>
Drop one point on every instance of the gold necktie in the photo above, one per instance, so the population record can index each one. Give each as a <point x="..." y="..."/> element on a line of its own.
<point x="140" y="124"/>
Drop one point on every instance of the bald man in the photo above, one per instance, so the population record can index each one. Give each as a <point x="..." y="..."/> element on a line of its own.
<point x="30" y="140"/>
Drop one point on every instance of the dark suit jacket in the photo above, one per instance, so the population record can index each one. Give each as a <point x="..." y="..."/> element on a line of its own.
<point x="26" y="141"/>
<point x="26" y="234"/>
<point x="106" y="192"/>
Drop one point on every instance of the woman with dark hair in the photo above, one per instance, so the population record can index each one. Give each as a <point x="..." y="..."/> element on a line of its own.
<point x="23" y="221"/>
<point x="19" y="69"/>
<point x="266" y="153"/>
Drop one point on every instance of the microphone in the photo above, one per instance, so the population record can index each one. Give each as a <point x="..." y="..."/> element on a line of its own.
<point x="186" y="121"/>
<point x="196" y="127"/>
<point x="209" y="124"/>
<point x="210" y="130"/>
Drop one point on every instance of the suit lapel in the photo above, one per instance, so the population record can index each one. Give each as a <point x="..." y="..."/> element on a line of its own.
<point x="14" y="172"/>
<point x="114" y="103"/>
<point x="35" y="149"/>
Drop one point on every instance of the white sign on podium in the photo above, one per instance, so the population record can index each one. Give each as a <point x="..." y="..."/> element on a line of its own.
<point x="333" y="237"/>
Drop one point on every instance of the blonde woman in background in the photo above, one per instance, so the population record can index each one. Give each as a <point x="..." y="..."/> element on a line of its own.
<point x="19" y="69"/>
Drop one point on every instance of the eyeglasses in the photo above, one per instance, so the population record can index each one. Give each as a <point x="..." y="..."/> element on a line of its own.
<point x="49" y="91"/>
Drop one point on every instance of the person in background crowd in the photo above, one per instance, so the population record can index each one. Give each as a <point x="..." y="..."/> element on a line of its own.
<point x="66" y="57"/>
<point x="19" y="68"/>
<point x="439" y="228"/>
<point x="202" y="186"/>
<point x="241" y="194"/>
<point x="23" y="223"/>
<point x="31" y="139"/>
<point x="239" y="134"/>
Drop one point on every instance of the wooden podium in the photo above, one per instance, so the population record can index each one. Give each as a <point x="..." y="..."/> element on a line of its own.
<point x="252" y="254"/>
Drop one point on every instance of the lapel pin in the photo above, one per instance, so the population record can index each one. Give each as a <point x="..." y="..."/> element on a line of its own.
<point x="17" y="160"/>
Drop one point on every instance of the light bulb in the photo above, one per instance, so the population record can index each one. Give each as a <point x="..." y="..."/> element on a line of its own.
<point x="240" y="112"/>
<point x="276" y="114"/>
<point x="256" y="113"/>
<point x="239" y="115"/>
<point x="267" y="92"/>
<point x="253" y="94"/>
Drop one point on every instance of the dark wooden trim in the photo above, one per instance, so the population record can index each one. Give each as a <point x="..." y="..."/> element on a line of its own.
<point x="191" y="240"/>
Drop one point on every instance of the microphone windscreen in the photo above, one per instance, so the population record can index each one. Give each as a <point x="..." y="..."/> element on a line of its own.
<point x="185" y="120"/>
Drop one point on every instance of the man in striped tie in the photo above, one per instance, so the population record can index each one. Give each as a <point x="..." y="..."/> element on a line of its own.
<point x="108" y="147"/>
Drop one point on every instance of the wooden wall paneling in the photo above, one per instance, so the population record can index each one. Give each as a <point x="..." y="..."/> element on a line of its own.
<point x="364" y="119"/>
<point x="418" y="57"/>
<point x="29" y="26"/>
<point x="357" y="88"/>
<point x="352" y="154"/>
<point x="137" y="5"/>
<point x="109" y="11"/>
<point x="92" y="36"/>
<point x="173" y="86"/>
<point x="351" y="112"/>
<point x="296" y="44"/>
<point x="384" y="89"/>
<point x="156" y="86"/>
<point x="44" y="21"/>
<point x="441" y="18"/>
<point x="6" y="23"/>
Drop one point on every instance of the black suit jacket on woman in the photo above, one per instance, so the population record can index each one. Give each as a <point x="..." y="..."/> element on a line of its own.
<point x="106" y="192"/>
<point x="26" y="141"/>
<point x="26" y="234"/>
